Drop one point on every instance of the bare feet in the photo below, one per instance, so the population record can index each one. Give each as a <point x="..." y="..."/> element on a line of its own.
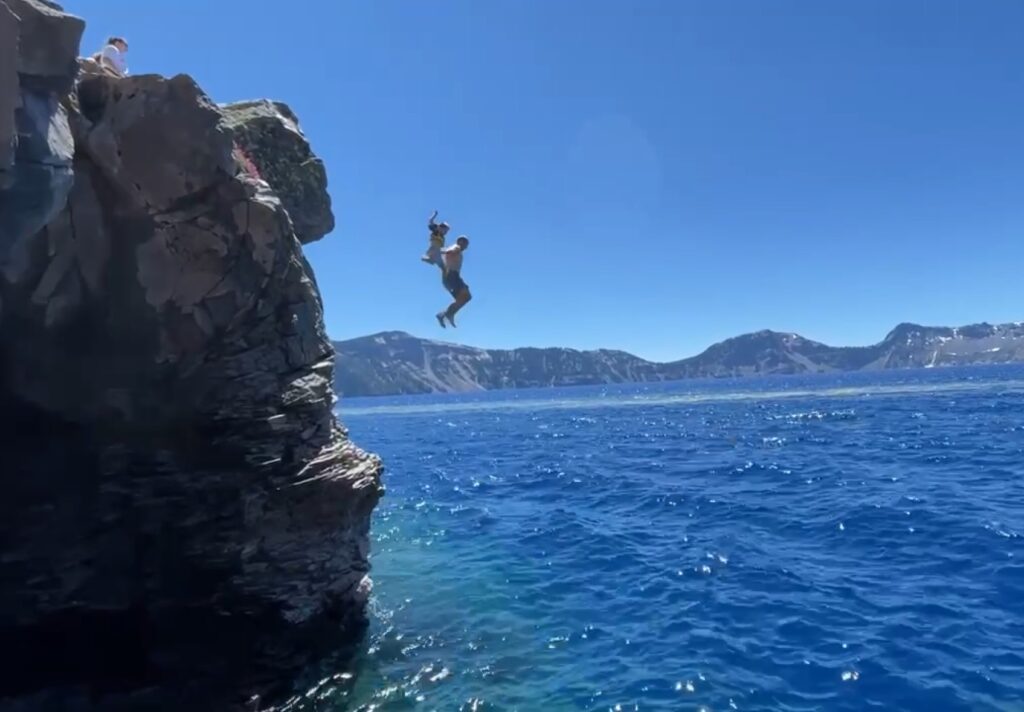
<point x="440" y="319"/>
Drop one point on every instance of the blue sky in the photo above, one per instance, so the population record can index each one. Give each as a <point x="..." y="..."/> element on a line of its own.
<point x="651" y="175"/>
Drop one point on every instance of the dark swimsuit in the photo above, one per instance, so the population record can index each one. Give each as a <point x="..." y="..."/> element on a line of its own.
<point x="453" y="283"/>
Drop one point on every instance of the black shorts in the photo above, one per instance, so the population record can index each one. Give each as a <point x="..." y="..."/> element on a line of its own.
<point x="454" y="284"/>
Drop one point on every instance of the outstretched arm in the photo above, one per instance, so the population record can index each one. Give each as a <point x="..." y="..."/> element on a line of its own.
<point x="431" y="223"/>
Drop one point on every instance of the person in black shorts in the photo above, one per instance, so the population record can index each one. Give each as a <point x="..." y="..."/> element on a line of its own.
<point x="453" y="281"/>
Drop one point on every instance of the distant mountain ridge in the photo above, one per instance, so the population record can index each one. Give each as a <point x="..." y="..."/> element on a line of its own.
<point x="394" y="362"/>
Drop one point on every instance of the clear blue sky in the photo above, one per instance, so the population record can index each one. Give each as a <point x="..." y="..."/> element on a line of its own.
<point x="652" y="175"/>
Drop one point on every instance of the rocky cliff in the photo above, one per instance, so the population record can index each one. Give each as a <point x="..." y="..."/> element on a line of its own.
<point x="395" y="363"/>
<point x="183" y="518"/>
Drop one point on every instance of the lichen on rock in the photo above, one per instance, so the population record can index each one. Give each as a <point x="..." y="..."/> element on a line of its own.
<point x="268" y="134"/>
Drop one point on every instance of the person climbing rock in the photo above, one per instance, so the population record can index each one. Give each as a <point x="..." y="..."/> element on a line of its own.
<point x="111" y="57"/>
<point x="453" y="281"/>
<point x="437" y="236"/>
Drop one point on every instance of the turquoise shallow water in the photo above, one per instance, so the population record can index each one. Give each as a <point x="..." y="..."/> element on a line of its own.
<point x="824" y="543"/>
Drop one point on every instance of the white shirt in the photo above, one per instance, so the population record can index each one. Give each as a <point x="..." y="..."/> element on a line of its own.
<point x="453" y="258"/>
<point x="115" y="58"/>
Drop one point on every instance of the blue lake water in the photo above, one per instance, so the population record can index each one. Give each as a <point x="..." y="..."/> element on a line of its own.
<point x="845" y="542"/>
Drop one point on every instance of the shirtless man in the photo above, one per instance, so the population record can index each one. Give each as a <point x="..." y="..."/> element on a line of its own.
<point x="453" y="280"/>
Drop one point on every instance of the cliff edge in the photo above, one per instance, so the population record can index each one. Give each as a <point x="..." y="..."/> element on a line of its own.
<point x="183" y="517"/>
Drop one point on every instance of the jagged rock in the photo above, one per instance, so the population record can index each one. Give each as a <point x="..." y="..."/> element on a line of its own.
<point x="182" y="512"/>
<point x="39" y="178"/>
<point x="8" y="90"/>
<point x="269" y="135"/>
<point x="48" y="50"/>
<point x="194" y="151"/>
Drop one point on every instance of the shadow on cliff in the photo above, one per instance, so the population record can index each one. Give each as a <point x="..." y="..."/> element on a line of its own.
<point x="184" y="521"/>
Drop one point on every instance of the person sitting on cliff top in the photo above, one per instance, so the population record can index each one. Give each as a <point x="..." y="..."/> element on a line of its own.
<point x="437" y="235"/>
<point x="111" y="57"/>
<point x="453" y="280"/>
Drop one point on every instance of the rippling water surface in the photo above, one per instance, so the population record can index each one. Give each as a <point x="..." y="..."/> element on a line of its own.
<point x="822" y="543"/>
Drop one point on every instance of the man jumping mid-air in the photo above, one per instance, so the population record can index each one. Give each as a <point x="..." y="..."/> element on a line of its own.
<point x="453" y="280"/>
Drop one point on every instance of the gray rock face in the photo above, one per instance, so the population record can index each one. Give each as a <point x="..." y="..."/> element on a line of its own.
<point x="394" y="363"/>
<point x="41" y="175"/>
<point x="182" y="514"/>
<point x="35" y="157"/>
<point x="269" y="135"/>
<point x="121" y="118"/>
<point x="48" y="49"/>
<point x="8" y="89"/>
